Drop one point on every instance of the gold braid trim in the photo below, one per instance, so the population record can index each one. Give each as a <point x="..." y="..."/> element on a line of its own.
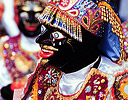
<point x="61" y="97"/>
<point x="110" y="16"/>
<point x="107" y="92"/>
<point x="34" y="92"/>
<point x="103" y="4"/>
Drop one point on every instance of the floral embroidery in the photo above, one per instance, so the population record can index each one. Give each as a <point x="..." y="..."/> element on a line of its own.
<point x="88" y="89"/>
<point x="65" y="2"/>
<point x="51" y="77"/>
<point x="101" y="95"/>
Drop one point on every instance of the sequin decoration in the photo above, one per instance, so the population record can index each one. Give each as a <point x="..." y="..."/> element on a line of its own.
<point x="89" y="90"/>
<point x="50" y="77"/>
<point x="120" y="86"/>
<point x="18" y="61"/>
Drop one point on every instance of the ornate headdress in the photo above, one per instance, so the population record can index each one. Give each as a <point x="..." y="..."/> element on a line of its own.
<point x="92" y="15"/>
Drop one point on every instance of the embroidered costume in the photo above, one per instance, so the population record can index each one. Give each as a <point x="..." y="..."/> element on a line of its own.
<point x="119" y="88"/>
<point x="1" y="10"/>
<point x="17" y="58"/>
<point x="18" y="62"/>
<point x="71" y="73"/>
<point x="50" y="82"/>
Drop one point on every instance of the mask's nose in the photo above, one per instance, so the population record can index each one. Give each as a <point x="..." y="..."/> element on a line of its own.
<point x="32" y="18"/>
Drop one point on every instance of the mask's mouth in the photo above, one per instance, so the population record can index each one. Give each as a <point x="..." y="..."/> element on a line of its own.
<point x="30" y="26"/>
<point x="47" y="51"/>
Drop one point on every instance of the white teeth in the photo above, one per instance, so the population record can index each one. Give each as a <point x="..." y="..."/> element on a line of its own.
<point x="53" y="44"/>
<point x="47" y="51"/>
<point x="59" y="43"/>
<point x="53" y="39"/>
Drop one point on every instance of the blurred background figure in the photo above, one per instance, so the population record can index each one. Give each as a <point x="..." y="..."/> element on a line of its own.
<point x="19" y="54"/>
<point x="123" y="7"/>
<point x="2" y="30"/>
<point x="10" y="18"/>
<point x="1" y="9"/>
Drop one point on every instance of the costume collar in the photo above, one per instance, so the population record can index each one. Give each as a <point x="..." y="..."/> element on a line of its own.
<point x="74" y="80"/>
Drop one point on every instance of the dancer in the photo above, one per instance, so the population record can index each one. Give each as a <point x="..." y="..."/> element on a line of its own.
<point x="81" y="45"/>
<point x="19" y="54"/>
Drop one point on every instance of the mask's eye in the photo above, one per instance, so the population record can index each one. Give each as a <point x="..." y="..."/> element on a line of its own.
<point x="43" y="28"/>
<point x="24" y="15"/>
<point x="37" y="15"/>
<point x="37" y="8"/>
<point x="57" y="35"/>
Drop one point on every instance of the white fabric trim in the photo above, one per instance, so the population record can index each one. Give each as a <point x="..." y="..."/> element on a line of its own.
<point x="75" y="80"/>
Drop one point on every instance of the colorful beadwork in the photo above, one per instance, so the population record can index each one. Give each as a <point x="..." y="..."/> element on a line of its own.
<point x="50" y="77"/>
<point x="88" y="90"/>
<point x="51" y="92"/>
<point x="47" y="78"/>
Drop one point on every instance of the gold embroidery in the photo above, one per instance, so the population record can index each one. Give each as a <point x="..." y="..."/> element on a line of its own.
<point x="34" y="92"/>
<point x="55" y="90"/>
<point x="110" y="16"/>
<point x="92" y="20"/>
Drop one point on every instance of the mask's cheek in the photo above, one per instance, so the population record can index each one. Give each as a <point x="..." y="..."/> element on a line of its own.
<point x="59" y="58"/>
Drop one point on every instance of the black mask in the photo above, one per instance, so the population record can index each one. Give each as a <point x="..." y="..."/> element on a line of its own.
<point x="68" y="54"/>
<point x="28" y="22"/>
